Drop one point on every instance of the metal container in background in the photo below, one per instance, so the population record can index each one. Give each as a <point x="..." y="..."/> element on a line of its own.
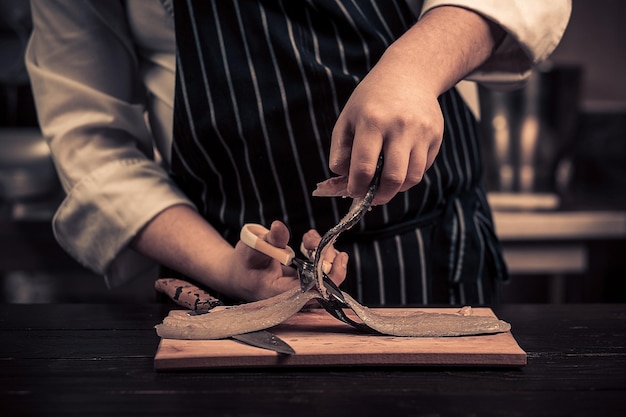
<point x="26" y="168"/>
<point x="29" y="185"/>
<point x="526" y="131"/>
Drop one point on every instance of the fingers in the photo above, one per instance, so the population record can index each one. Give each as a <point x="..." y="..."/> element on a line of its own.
<point x="392" y="114"/>
<point x="341" y="147"/>
<point x="366" y="148"/>
<point x="407" y="155"/>
<point x="402" y="169"/>
<point x="339" y="268"/>
<point x="419" y="162"/>
<point x="259" y="276"/>
<point x="338" y="260"/>
<point x="278" y="235"/>
<point x="416" y="167"/>
<point x="405" y="162"/>
<point x="310" y="240"/>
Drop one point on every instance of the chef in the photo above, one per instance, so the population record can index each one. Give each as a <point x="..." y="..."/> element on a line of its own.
<point x="173" y="123"/>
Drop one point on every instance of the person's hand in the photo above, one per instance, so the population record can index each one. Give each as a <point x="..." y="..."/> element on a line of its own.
<point x="257" y="276"/>
<point x="337" y="260"/>
<point x="395" y="110"/>
<point x="389" y="111"/>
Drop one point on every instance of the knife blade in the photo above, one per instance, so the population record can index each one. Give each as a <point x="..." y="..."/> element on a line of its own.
<point x="265" y="340"/>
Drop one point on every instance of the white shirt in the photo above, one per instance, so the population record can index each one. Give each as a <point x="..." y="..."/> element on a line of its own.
<point x="103" y="132"/>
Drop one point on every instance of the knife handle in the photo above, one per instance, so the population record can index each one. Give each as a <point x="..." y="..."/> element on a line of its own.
<point x="252" y="234"/>
<point x="186" y="294"/>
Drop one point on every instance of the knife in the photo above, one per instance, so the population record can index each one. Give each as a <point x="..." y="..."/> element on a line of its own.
<point x="200" y="302"/>
<point x="265" y="340"/>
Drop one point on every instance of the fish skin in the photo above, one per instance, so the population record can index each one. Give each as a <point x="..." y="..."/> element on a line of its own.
<point x="332" y="187"/>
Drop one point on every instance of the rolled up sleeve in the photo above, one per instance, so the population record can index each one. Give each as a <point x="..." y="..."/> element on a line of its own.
<point x="91" y="108"/>
<point x="533" y="30"/>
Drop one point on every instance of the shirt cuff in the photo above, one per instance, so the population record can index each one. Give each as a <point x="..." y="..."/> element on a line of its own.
<point x="104" y="211"/>
<point x="534" y="29"/>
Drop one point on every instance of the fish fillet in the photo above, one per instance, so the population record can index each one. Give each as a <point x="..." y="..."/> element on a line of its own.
<point x="267" y="313"/>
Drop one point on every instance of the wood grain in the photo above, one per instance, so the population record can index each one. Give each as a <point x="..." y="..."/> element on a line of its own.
<point x="321" y="340"/>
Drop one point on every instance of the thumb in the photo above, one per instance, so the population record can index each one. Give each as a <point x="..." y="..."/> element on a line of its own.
<point x="278" y="235"/>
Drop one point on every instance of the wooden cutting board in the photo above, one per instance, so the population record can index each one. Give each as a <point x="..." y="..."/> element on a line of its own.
<point x="321" y="340"/>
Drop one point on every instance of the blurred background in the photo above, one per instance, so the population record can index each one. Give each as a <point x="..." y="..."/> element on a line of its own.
<point x="555" y="156"/>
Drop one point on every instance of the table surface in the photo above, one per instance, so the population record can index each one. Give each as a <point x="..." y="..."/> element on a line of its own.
<point x="98" y="359"/>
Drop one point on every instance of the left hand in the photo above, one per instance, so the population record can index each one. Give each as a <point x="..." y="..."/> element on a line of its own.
<point x="257" y="276"/>
<point x="395" y="109"/>
<point x="389" y="111"/>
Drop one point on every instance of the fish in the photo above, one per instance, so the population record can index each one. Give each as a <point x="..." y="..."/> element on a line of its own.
<point x="263" y="314"/>
<point x="237" y="319"/>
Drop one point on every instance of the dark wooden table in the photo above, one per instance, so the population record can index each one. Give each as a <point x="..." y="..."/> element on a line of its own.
<point x="93" y="360"/>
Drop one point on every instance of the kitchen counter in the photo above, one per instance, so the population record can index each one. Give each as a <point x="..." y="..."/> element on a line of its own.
<point x="554" y="242"/>
<point x="97" y="359"/>
<point x="559" y="225"/>
<point x="561" y="245"/>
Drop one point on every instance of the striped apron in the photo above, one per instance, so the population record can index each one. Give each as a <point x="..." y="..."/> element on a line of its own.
<point x="260" y="84"/>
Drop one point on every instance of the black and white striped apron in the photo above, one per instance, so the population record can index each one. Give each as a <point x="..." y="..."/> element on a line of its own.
<point x="260" y="84"/>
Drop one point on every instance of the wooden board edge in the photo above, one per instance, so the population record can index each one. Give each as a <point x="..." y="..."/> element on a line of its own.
<point x="464" y="359"/>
